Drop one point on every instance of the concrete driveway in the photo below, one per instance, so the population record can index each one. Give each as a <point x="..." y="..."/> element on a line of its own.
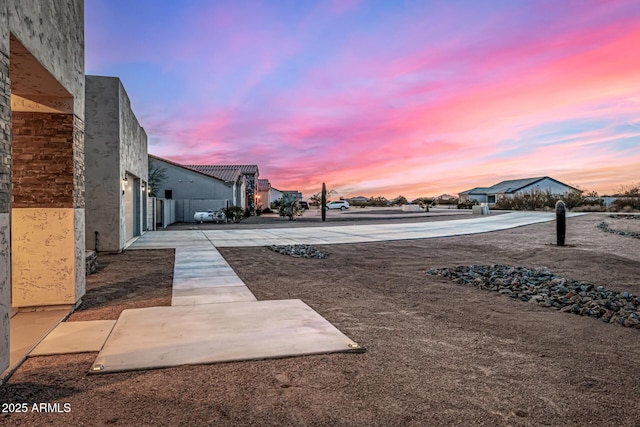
<point x="338" y="234"/>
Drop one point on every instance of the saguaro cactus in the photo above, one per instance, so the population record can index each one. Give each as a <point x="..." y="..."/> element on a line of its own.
<point x="323" y="202"/>
<point x="561" y="222"/>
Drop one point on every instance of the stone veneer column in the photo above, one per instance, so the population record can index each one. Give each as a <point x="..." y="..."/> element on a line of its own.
<point x="251" y="193"/>
<point x="5" y="205"/>
<point x="47" y="219"/>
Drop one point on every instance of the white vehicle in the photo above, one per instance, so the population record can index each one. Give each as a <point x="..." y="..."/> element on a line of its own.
<point x="210" y="216"/>
<point x="338" y="204"/>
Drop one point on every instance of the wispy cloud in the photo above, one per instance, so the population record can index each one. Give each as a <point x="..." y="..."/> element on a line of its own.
<point x="383" y="97"/>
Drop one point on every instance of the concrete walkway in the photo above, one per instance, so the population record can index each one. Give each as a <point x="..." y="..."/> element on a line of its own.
<point x="214" y="316"/>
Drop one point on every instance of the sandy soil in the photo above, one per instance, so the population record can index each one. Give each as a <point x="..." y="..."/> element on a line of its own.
<point x="438" y="353"/>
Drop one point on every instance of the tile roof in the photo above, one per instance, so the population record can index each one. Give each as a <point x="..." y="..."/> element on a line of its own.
<point x="229" y="174"/>
<point x="152" y="157"/>
<point x="264" y="184"/>
<point x="247" y="169"/>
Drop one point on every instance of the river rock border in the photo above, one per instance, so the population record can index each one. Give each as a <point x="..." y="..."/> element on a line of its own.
<point x="540" y="286"/>
<point x="299" y="251"/>
<point x="605" y="227"/>
<point x="623" y="216"/>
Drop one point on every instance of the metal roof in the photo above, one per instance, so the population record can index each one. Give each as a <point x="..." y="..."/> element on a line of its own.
<point x="476" y="190"/>
<point x="513" y="185"/>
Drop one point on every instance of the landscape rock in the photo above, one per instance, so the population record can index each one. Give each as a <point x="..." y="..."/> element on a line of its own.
<point x="299" y="251"/>
<point x="540" y="286"/>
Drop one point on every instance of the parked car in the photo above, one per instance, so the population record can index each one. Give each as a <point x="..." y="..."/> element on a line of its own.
<point x="338" y="204"/>
<point x="304" y="205"/>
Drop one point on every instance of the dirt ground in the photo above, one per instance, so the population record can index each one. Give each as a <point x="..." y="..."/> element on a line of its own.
<point x="438" y="353"/>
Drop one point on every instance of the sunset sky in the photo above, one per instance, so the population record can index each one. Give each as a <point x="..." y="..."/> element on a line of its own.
<point x="392" y="97"/>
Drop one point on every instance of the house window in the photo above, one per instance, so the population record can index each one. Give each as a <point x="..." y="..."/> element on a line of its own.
<point x="168" y="194"/>
<point x="491" y="199"/>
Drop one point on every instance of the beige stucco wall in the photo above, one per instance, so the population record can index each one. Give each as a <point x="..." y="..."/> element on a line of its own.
<point x="115" y="146"/>
<point x="80" y="267"/>
<point x="53" y="31"/>
<point x="43" y="256"/>
<point x="52" y="74"/>
<point x="5" y="290"/>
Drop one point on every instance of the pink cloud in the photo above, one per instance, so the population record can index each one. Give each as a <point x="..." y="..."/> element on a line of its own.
<point x="413" y="102"/>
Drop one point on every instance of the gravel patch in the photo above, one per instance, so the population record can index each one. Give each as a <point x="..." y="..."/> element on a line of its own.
<point x="299" y="251"/>
<point x="540" y="286"/>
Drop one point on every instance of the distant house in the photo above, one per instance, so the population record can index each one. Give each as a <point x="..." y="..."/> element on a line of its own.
<point x="515" y="186"/>
<point x="195" y="191"/>
<point x="357" y="201"/>
<point x="267" y="195"/>
<point x="274" y="196"/>
<point x="264" y="188"/>
<point x="250" y="173"/>
<point x="294" y="193"/>
<point x="478" y="194"/>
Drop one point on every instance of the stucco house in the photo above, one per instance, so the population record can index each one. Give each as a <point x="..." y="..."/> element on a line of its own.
<point x="358" y="200"/>
<point x="294" y="193"/>
<point x="199" y="188"/>
<point x="116" y="170"/>
<point x="264" y="188"/>
<point x="250" y="173"/>
<point x="512" y="187"/>
<point x="42" y="194"/>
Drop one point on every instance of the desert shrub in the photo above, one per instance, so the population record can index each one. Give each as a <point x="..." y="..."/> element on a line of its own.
<point x="234" y="213"/>
<point x="590" y="208"/>
<point x="424" y="202"/>
<point x="625" y="204"/>
<point x="288" y="206"/>
<point x="447" y="202"/>
<point x="544" y="200"/>
<point x="399" y="201"/>
<point x="378" y="201"/>
<point x="573" y="199"/>
<point x="468" y="204"/>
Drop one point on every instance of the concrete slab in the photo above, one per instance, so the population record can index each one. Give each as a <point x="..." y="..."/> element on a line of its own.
<point x="160" y="337"/>
<point x="211" y="295"/>
<point x="75" y="337"/>
<point x="205" y="282"/>
<point x="27" y="329"/>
